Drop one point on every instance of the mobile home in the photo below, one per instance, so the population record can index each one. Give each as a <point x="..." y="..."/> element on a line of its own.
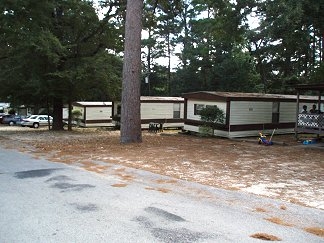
<point x="246" y="114"/>
<point x="95" y="113"/>
<point x="168" y="111"/>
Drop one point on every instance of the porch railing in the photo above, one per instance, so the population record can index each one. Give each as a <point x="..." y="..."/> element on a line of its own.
<point x="311" y="122"/>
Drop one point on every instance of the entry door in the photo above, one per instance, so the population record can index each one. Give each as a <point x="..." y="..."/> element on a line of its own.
<point x="275" y="112"/>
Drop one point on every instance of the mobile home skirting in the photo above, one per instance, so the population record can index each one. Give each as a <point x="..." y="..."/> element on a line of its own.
<point x="167" y="123"/>
<point x="245" y="127"/>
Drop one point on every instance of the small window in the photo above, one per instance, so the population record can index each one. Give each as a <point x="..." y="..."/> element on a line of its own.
<point x="275" y="112"/>
<point x="176" y="110"/>
<point x="198" y="108"/>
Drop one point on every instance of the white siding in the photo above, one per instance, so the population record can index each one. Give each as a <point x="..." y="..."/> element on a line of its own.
<point x="159" y="110"/>
<point x="98" y="113"/>
<point x="248" y="112"/>
<point x="191" y="105"/>
<point x="156" y="110"/>
<point x="65" y="113"/>
<point x="95" y="114"/>
<point x="287" y="112"/>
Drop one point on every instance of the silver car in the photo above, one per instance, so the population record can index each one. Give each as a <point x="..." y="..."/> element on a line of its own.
<point x="37" y="120"/>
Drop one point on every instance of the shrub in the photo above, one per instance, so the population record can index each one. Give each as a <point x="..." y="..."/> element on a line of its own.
<point x="76" y="116"/>
<point x="211" y="116"/>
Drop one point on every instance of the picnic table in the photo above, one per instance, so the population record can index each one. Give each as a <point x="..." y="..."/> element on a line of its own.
<point x="155" y="127"/>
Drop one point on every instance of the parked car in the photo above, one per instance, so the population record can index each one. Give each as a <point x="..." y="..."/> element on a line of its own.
<point x="2" y="116"/>
<point x="13" y="119"/>
<point x="36" y="120"/>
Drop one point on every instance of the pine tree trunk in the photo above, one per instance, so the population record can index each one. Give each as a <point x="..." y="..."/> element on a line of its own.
<point x="57" y="114"/>
<point x="130" y="130"/>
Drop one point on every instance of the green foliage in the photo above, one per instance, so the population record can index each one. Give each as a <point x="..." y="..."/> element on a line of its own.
<point x="61" y="49"/>
<point x="76" y="114"/>
<point x="287" y="45"/>
<point x="237" y="73"/>
<point x="318" y="74"/>
<point x="220" y="50"/>
<point x="57" y="49"/>
<point x="212" y="115"/>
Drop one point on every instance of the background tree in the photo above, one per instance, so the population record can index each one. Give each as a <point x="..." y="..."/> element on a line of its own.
<point x="216" y="33"/>
<point x="58" y="51"/>
<point x="63" y="39"/>
<point x="162" y="26"/>
<point x="287" y="45"/>
<point x="285" y="49"/>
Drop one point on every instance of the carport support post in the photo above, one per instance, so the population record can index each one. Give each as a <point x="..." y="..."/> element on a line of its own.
<point x="297" y="112"/>
<point x="319" y="102"/>
<point x="319" y="112"/>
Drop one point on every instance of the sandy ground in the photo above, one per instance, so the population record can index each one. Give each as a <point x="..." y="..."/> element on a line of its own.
<point x="287" y="170"/>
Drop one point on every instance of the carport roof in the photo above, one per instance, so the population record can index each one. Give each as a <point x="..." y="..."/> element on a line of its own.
<point x="319" y="87"/>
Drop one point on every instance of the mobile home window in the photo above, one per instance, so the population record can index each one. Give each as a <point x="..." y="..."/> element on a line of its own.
<point x="198" y="108"/>
<point x="176" y="110"/>
<point x="275" y="112"/>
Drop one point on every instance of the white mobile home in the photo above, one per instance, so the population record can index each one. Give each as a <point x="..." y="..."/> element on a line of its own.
<point x="95" y="114"/>
<point x="168" y="111"/>
<point x="246" y="114"/>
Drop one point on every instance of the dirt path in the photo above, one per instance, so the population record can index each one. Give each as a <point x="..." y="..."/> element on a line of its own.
<point x="291" y="172"/>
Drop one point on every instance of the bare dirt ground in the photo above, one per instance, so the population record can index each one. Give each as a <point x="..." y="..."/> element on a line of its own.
<point x="287" y="170"/>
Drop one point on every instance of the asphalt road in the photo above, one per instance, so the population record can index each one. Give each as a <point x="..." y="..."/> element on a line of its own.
<point x="42" y="201"/>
